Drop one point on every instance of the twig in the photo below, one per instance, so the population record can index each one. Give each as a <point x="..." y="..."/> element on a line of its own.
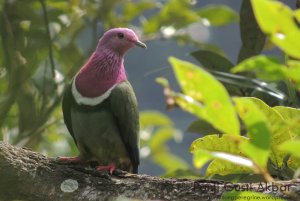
<point x="46" y="20"/>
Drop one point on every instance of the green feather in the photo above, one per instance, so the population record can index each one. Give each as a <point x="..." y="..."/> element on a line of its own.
<point x="108" y="132"/>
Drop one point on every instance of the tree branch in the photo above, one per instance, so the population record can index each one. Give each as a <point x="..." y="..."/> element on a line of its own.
<point x="26" y="175"/>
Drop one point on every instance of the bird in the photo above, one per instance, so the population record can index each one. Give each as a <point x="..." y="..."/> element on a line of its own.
<point x="100" y="109"/>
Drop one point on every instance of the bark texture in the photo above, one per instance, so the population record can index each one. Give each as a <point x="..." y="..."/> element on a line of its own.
<point x="26" y="175"/>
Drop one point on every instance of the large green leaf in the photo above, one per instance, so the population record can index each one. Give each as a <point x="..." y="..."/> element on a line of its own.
<point x="266" y="68"/>
<point x="226" y="164"/>
<point x="200" y="86"/>
<point x="220" y="150"/>
<point x="258" y="148"/>
<point x="271" y="69"/>
<point x="279" y="131"/>
<point x="277" y="20"/>
<point x="218" y="15"/>
<point x="222" y="163"/>
<point x="225" y="143"/>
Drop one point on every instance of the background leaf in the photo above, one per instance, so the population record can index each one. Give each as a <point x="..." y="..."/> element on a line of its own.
<point x="154" y="118"/>
<point x="169" y="16"/>
<point x="212" y="60"/>
<point x="253" y="39"/>
<point x="213" y="12"/>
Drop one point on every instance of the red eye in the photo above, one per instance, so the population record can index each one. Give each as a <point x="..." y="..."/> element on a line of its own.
<point x="120" y="35"/>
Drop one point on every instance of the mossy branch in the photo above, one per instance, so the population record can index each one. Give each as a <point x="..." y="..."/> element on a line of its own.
<point x="26" y="175"/>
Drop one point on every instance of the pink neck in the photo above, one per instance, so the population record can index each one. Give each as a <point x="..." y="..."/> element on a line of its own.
<point x="103" y="70"/>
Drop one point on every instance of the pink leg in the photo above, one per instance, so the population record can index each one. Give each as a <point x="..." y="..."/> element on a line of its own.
<point x="75" y="159"/>
<point x="111" y="168"/>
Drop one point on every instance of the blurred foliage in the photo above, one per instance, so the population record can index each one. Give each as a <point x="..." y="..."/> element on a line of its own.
<point x="245" y="135"/>
<point x="156" y="131"/>
<point x="44" y="42"/>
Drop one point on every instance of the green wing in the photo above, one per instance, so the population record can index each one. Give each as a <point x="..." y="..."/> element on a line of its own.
<point x="67" y="103"/>
<point x="125" y="110"/>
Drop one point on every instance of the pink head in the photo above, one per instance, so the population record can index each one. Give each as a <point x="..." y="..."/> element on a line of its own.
<point x="119" y="40"/>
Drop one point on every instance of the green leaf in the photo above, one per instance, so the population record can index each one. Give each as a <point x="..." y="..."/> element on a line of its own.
<point x="291" y="146"/>
<point x="258" y="148"/>
<point x="270" y="69"/>
<point x="223" y="163"/>
<point x="227" y="164"/>
<point x="59" y="5"/>
<point x="223" y="167"/>
<point x="255" y="121"/>
<point x="163" y="132"/>
<point x="201" y="157"/>
<point x="297" y="15"/>
<point x="291" y="117"/>
<point x="293" y="72"/>
<point x="253" y="39"/>
<point x="293" y="162"/>
<point x="246" y="195"/>
<point x="162" y="81"/>
<point x="161" y="137"/>
<point x="169" y="161"/>
<point x="154" y="118"/>
<point x="133" y="9"/>
<point x="200" y="86"/>
<point x="266" y="68"/>
<point x="277" y="20"/>
<point x="218" y="15"/>
<point x="227" y="144"/>
<point x="202" y="127"/>
<point x="279" y="131"/>
<point x="212" y="60"/>
<point x="169" y="15"/>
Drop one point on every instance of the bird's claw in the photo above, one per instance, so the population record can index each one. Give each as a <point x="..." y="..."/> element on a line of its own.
<point x="110" y="168"/>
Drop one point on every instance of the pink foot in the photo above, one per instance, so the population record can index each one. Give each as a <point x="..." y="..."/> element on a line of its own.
<point x="110" y="168"/>
<point x="75" y="159"/>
